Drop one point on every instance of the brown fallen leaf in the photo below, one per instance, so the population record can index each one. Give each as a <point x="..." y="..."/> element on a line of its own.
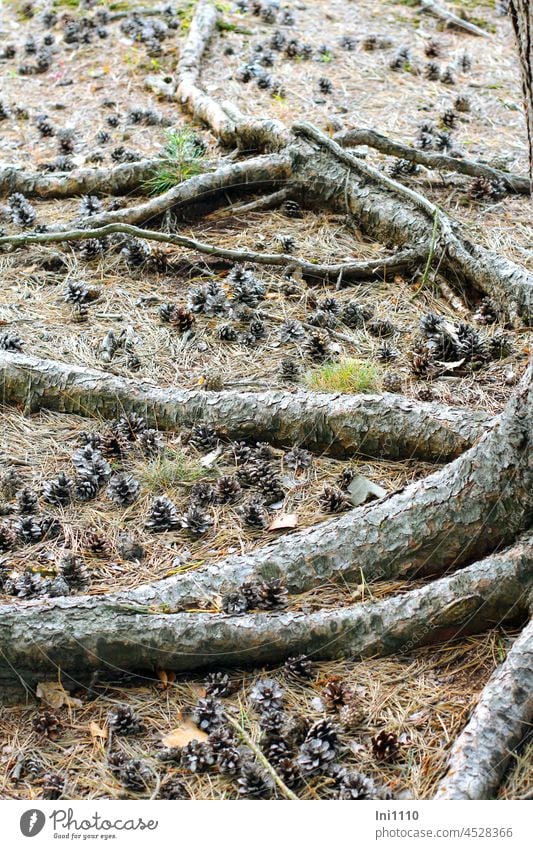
<point x="96" y="731"/>
<point x="183" y="734"/>
<point x="285" y="520"/>
<point x="55" y="695"/>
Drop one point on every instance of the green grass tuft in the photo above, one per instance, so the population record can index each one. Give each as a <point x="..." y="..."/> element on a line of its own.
<point x="182" y="158"/>
<point x="347" y="375"/>
<point x="170" y="470"/>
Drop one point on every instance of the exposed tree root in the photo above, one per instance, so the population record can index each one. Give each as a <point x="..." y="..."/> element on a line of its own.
<point x="79" y="635"/>
<point x="504" y="713"/>
<point x="340" y="273"/>
<point x="384" y="425"/>
<point x="448" y="17"/>
<point x="119" y="180"/>
<point x="435" y="161"/>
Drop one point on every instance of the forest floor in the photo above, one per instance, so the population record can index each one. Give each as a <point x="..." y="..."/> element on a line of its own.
<point x="425" y="695"/>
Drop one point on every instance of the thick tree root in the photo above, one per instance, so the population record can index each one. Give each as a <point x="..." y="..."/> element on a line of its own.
<point x="386" y="425"/>
<point x="79" y="635"/>
<point x="343" y="274"/>
<point x="435" y="161"/>
<point x="119" y="180"/>
<point x="504" y="713"/>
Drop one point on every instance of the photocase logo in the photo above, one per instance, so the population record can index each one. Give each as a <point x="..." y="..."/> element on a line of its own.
<point x="32" y="822"/>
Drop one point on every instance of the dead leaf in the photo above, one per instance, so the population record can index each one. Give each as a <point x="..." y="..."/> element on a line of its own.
<point x="362" y="489"/>
<point x="183" y="734"/>
<point x="55" y="695"/>
<point x="96" y="731"/>
<point x="199" y="691"/>
<point x="284" y="520"/>
<point x="212" y="457"/>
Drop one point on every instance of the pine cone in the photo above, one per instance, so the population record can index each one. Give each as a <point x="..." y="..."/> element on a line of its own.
<point x="335" y="694"/>
<point x="292" y="209"/>
<point x="291" y="331"/>
<point x="202" y="493"/>
<point x="227" y="489"/>
<point x="299" y="666"/>
<point x="385" y="746"/>
<point x="333" y="500"/>
<point x="135" y="775"/>
<point x="317" y="346"/>
<point x="234" y="603"/>
<point x="298" y="459"/>
<point x="270" y="595"/>
<point x="203" y="436"/>
<point x="8" y="537"/>
<point x="229" y="760"/>
<point x="196" y="521"/>
<point x="267" y="695"/>
<point x="351" y="714"/>
<point x="208" y="714"/>
<point x="130" y="426"/>
<point x="123" y="720"/>
<point x="123" y="489"/>
<point x="181" y="319"/>
<point x="354" y="315"/>
<point x="96" y="542"/>
<point x="314" y="755"/>
<point x="386" y="353"/>
<point x="53" y="786"/>
<point x="392" y="382"/>
<point x="197" y="757"/>
<point x="87" y="488"/>
<point x="113" y="444"/>
<point x="59" y="491"/>
<point x="221" y="738"/>
<point x="89" y="462"/>
<point x="27" y="501"/>
<point x="275" y="750"/>
<point x="48" y="725"/>
<point x="253" y="781"/>
<point x="151" y="442"/>
<point x="74" y="571"/>
<point x="254" y="513"/>
<point x="355" y="785"/>
<point x="173" y="788"/>
<point x="218" y="684"/>
<point x="163" y="516"/>
<point x="289" y="369"/>
<point x="381" y="327"/>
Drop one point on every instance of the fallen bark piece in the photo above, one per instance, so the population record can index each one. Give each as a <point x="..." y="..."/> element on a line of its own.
<point x="77" y="636"/>
<point x="119" y="180"/>
<point x="380" y="425"/>
<point x="482" y="752"/>
<point x="440" y="11"/>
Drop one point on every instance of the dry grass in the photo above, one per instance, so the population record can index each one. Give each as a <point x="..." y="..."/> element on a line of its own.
<point x="425" y="696"/>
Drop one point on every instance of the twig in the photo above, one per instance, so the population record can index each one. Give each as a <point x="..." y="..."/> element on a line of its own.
<point x="262" y="759"/>
<point x="450" y="18"/>
<point x="436" y="161"/>
<point x="355" y="271"/>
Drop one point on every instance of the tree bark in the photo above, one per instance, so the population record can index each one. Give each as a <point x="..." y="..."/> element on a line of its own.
<point x="380" y="425"/>
<point x="79" y="635"/>
<point x="504" y="713"/>
<point x="119" y="180"/>
<point x="521" y="12"/>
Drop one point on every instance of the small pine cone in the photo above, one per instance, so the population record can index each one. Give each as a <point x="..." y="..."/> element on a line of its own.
<point x="355" y="315"/>
<point x="197" y="757"/>
<point x="432" y="71"/>
<point x="196" y="521"/>
<point x="203" y="436"/>
<point x="48" y="725"/>
<point x="123" y="720"/>
<point x="10" y="341"/>
<point x="163" y="516"/>
<point x="89" y="462"/>
<point x="323" y="730"/>
<point x="381" y="328"/>
<point x="181" y="319"/>
<point x="351" y="715"/>
<point x="87" y="488"/>
<point x="96" y="542"/>
<point x="130" y="426"/>
<point x="354" y="785"/>
<point x="27" y="501"/>
<point x="208" y="714"/>
<point x="289" y="772"/>
<point x="253" y="781"/>
<point x="123" y="489"/>
<point x="173" y="788"/>
<point x="392" y="382"/>
<point x="335" y="694"/>
<point x="53" y="786"/>
<point x="425" y="394"/>
<point x="299" y="666"/>
<point x="462" y="103"/>
<point x="275" y="750"/>
<point x="218" y="684"/>
<point x="385" y="746"/>
<point x="289" y="370"/>
<point x="202" y="493"/>
<point x="273" y="723"/>
<point x="317" y="346"/>
<point x="386" y="353"/>
<point x="73" y="570"/>
<point x="325" y="85"/>
<point x="113" y="444"/>
<point x="221" y="738"/>
<point x="228" y="489"/>
<point x="59" y="491"/>
<point x="31" y="767"/>
<point x="135" y="775"/>
<point x="235" y="603"/>
<point x="90" y="205"/>
<point x="448" y="76"/>
<point x="298" y="459"/>
<point x="151" y="442"/>
<point x="270" y="595"/>
<point x="432" y="48"/>
<point x="314" y="755"/>
<point x="267" y="695"/>
<point x="292" y="209"/>
<point x="333" y="500"/>
<point x="229" y="760"/>
<point x="254" y="514"/>
<point x="8" y="537"/>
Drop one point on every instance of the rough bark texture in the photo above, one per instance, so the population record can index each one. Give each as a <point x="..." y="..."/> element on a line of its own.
<point x="259" y="172"/>
<point x="435" y="161"/>
<point x="521" y="12"/>
<point x="384" y="425"/>
<point x="79" y="635"/>
<point x="504" y="713"/>
<point x="387" y="211"/>
<point x="121" y="179"/>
